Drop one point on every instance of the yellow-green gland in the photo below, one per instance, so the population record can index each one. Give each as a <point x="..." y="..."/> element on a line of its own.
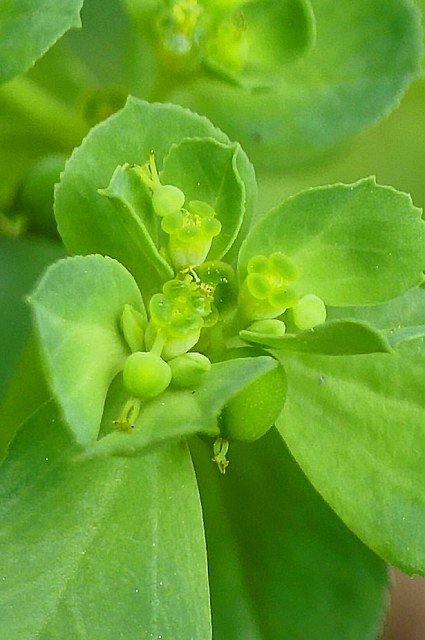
<point x="308" y="312"/>
<point x="251" y="413"/>
<point x="146" y="375"/>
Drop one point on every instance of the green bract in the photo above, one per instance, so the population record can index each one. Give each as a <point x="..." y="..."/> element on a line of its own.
<point x="177" y="213"/>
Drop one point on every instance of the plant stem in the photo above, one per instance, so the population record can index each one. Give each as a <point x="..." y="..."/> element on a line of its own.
<point x="54" y="119"/>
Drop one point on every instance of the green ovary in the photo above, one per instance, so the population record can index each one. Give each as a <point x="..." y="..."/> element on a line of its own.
<point x="146" y="375"/>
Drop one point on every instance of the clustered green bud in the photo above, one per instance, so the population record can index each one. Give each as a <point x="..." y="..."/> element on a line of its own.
<point x="178" y="315"/>
<point x="266" y="291"/>
<point x="191" y="233"/>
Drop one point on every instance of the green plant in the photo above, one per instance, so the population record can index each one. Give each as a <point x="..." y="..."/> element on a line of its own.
<point x="189" y="325"/>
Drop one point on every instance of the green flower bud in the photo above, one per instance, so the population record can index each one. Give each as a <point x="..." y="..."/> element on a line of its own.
<point x="133" y="327"/>
<point x="146" y="375"/>
<point x="191" y="234"/>
<point x="187" y="370"/>
<point x="266" y="292"/>
<point x="167" y="199"/>
<point x="269" y="327"/>
<point x="308" y="312"/>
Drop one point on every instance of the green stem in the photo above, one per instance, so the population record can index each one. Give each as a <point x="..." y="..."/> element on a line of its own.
<point x="55" y="120"/>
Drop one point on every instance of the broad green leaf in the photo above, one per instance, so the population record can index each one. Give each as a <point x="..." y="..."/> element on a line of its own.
<point x="136" y="224"/>
<point x="108" y="546"/>
<point x="356" y="426"/>
<point x="252" y="45"/>
<point x="282" y="565"/>
<point x="28" y="29"/>
<point x="334" y="338"/>
<point x="22" y="260"/>
<point x="365" y="56"/>
<point x="78" y="305"/>
<point x="400" y="319"/>
<point x="353" y="244"/>
<point x="207" y="170"/>
<point x="87" y="221"/>
<point x="175" y="413"/>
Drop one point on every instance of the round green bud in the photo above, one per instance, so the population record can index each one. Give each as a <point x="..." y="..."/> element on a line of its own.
<point x="269" y="327"/>
<point x="251" y="413"/>
<point x="167" y="199"/>
<point x="187" y="370"/>
<point x="308" y="312"/>
<point x="146" y="375"/>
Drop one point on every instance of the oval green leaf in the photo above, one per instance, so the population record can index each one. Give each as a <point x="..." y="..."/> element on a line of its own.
<point x="77" y="306"/>
<point x="353" y="244"/>
<point x="87" y="221"/>
<point x="356" y="426"/>
<point x="108" y="546"/>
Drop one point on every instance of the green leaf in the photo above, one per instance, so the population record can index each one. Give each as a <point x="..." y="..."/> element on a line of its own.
<point x="29" y="29"/>
<point x="78" y="305"/>
<point x="353" y="244"/>
<point x="274" y="34"/>
<point x="87" y="221"/>
<point x="334" y="338"/>
<point x="106" y="545"/>
<point x="207" y="170"/>
<point x="356" y="427"/>
<point x="176" y="414"/>
<point x="400" y="319"/>
<point x="365" y="56"/>
<point x="277" y="551"/>
<point x="137" y="226"/>
<point x="22" y="260"/>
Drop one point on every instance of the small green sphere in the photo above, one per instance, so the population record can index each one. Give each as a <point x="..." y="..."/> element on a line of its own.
<point x="167" y="199"/>
<point x="146" y="375"/>
<point x="308" y="312"/>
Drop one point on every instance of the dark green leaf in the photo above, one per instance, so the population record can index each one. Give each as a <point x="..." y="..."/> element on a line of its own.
<point x="28" y="29"/>
<point x="282" y="565"/>
<point x="109" y="547"/>
<point x="334" y="338"/>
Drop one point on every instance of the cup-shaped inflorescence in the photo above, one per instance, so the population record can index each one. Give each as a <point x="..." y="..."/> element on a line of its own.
<point x="266" y="291"/>
<point x="177" y="314"/>
<point x="191" y="233"/>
